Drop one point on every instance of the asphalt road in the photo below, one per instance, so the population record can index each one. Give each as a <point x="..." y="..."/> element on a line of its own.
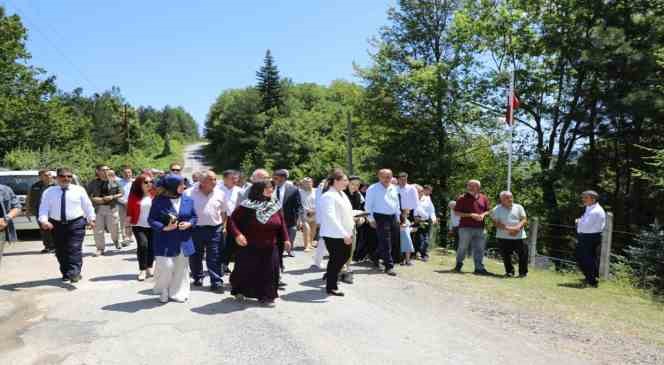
<point x="110" y="318"/>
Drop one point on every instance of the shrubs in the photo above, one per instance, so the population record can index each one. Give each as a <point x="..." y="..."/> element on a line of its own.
<point x="646" y="258"/>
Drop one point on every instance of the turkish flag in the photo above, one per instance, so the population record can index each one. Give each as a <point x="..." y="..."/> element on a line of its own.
<point x="512" y="104"/>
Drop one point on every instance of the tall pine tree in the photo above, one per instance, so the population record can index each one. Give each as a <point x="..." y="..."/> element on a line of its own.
<point x="268" y="83"/>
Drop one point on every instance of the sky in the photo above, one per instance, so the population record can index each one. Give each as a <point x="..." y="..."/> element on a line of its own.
<point x="187" y="52"/>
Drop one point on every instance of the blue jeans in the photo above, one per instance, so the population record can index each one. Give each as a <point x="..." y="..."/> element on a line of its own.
<point x="475" y="238"/>
<point x="208" y="241"/>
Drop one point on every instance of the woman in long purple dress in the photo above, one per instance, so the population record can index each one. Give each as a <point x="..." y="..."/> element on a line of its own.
<point x="257" y="225"/>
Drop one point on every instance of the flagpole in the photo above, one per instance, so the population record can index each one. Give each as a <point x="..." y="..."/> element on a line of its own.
<point x="510" y="99"/>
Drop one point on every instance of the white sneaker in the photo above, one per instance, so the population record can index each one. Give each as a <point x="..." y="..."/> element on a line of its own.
<point x="149" y="272"/>
<point x="99" y="253"/>
<point x="141" y="275"/>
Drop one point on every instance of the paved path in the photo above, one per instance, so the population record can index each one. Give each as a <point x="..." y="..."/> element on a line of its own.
<point x="110" y="318"/>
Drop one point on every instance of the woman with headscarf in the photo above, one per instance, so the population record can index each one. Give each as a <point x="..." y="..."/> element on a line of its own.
<point x="138" y="209"/>
<point x="257" y="224"/>
<point x="171" y="217"/>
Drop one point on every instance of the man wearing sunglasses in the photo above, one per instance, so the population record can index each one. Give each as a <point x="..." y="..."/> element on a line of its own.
<point x="65" y="210"/>
<point x="176" y="169"/>
<point x="104" y="193"/>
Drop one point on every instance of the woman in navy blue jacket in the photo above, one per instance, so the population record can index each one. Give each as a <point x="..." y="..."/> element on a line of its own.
<point x="171" y="217"/>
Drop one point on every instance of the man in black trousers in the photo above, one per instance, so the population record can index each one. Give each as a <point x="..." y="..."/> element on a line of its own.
<point x="65" y="210"/>
<point x="288" y="196"/>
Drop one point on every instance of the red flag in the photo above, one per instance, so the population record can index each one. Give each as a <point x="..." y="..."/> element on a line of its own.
<point x="512" y="104"/>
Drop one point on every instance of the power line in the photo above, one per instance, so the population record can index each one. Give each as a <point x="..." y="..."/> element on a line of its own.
<point x="62" y="54"/>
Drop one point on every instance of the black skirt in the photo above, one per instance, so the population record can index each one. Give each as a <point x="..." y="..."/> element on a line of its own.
<point x="256" y="272"/>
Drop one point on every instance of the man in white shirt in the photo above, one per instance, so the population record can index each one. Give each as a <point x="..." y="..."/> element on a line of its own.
<point x="125" y="182"/>
<point x="210" y="206"/>
<point x="65" y="209"/>
<point x="232" y="196"/>
<point x="382" y="204"/>
<point x="589" y="230"/>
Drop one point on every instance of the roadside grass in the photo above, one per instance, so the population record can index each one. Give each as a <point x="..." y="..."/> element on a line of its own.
<point x="614" y="307"/>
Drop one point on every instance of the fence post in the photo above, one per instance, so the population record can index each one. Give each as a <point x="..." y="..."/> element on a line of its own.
<point x="605" y="253"/>
<point x="532" y="243"/>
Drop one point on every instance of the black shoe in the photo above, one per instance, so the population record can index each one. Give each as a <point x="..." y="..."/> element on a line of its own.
<point x="282" y="284"/>
<point x="390" y="272"/>
<point x="335" y="293"/>
<point x="509" y="275"/>
<point x="118" y="245"/>
<point x="324" y="277"/>
<point x="46" y="250"/>
<point x="51" y="250"/>
<point x="376" y="264"/>
<point x="217" y="288"/>
<point x="290" y="254"/>
<point x="482" y="272"/>
<point x="76" y="278"/>
<point x="457" y="269"/>
<point x="198" y="282"/>
<point x="425" y="258"/>
<point x="347" y="277"/>
<point x="593" y="284"/>
<point x="65" y="279"/>
<point x="523" y="275"/>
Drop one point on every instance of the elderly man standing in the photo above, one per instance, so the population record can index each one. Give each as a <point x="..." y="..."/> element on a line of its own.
<point x="104" y="194"/>
<point x="65" y="209"/>
<point x="472" y="207"/>
<point x="510" y="218"/>
<point x="210" y="207"/>
<point x="125" y="186"/>
<point x="382" y="204"/>
<point x="32" y="205"/>
<point x="589" y="230"/>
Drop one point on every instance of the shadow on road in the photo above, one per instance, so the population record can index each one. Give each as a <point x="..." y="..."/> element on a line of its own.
<point x="134" y="306"/>
<point x="119" y="277"/>
<point x="314" y="283"/>
<point x="306" y="296"/>
<point x="23" y="253"/>
<point x="309" y="270"/>
<point x="228" y="305"/>
<point x="37" y="283"/>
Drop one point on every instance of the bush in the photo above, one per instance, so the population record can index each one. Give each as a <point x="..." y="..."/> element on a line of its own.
<point x="646" y="257"/>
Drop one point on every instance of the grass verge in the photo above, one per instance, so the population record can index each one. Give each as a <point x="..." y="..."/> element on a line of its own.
<point x="614" y="308"/>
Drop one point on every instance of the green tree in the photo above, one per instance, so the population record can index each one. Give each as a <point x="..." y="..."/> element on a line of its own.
<point x="269" y="84"/>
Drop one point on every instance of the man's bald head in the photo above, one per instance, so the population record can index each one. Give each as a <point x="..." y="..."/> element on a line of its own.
<point x="260" y="175"/>
<point x="208" y="181"/>
<point x="385" y="176"/>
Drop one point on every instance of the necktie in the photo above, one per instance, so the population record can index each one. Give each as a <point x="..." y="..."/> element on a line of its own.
<point x="279" y="193"/>
<point x="63" y="206"/>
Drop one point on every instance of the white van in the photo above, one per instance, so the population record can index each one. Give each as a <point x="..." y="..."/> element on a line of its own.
<point x="20" y="182"/>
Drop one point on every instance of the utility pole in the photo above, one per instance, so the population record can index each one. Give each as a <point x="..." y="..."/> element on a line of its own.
<point x="125" y="121"/>
<point x="349" y="143"/>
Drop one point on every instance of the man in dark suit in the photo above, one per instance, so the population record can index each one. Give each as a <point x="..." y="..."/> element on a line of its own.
<point x="289" y="197"/>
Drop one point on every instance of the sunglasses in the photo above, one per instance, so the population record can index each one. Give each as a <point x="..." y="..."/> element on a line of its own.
<point x="147" y="182"/>
<point x="175" y="170"/>
<point x="66" y="176"/>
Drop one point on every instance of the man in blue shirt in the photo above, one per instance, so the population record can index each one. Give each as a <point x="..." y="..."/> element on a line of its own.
<point x="382" y="204"/>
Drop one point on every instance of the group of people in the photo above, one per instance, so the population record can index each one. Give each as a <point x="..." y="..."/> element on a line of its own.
<point x="177" y="224"/>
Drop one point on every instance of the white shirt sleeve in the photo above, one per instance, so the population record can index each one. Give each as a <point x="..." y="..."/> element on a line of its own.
<point x="87" y="207"/>
<point x="328" y="208"/>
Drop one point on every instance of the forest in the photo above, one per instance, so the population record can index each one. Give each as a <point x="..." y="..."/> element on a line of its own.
<point x="590" y="79"/>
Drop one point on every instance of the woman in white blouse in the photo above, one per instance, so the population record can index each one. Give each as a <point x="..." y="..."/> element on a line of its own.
<point x="336" y="227"/>
<point x="138" y="209"/>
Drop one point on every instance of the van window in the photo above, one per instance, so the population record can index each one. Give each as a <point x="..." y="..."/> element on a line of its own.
<point x="19" y="184"/>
